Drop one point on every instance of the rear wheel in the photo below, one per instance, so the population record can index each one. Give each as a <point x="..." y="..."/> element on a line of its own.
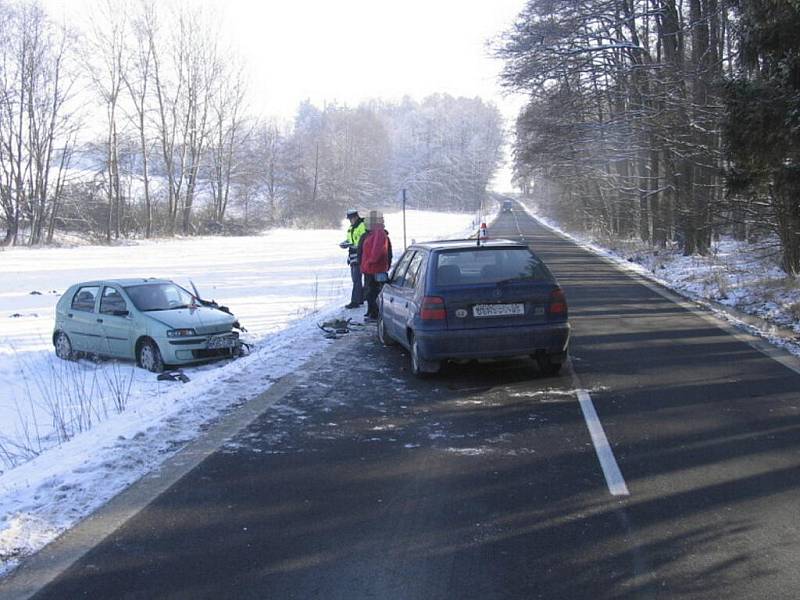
<point x="382" y="335"/>
<point x="63" y="347"/>
<point x="548" y="365"/>
<point x="149" y="357"/>
<point x="419" y="366"/>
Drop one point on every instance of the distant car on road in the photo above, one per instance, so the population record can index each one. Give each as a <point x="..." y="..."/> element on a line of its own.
<point x="153" y="321"/>
<point x="457" y="300"/>
<point x="508" y="206"/>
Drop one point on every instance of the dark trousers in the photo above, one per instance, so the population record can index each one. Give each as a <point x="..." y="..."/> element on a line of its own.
<point x="373" y="288"/>
<point x="357" y="295"/>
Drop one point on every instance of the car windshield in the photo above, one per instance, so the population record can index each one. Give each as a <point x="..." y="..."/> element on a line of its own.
<point x="159" y="296"/>
<point x="489" y="265"/>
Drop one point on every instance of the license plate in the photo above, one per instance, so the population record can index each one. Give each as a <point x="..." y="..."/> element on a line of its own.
<point x="221" y="341"/>
<point x="498" y="310"/>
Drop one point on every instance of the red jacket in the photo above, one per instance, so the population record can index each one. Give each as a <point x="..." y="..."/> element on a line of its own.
<point x="376" y="252"/>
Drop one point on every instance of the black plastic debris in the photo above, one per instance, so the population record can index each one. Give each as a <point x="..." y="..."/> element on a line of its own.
<point x="174" y="375"/>
<point x="335" y="327"/>
<point x="35" y="293"/>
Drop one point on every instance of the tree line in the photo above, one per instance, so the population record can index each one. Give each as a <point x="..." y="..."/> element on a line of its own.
<point x="138" y="124"/>
<point x="671" y="120"/>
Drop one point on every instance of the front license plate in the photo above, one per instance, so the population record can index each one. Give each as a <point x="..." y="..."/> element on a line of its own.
<point x="223" y="341"/>
<point x="498" y="310"/>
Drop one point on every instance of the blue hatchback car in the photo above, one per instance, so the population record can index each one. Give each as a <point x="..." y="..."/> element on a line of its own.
<point x="459" y="300"/>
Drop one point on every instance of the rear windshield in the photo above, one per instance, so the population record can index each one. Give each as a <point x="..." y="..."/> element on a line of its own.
<point x="489" y="265"/>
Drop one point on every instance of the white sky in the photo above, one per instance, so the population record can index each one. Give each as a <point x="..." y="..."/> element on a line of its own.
<point x="353" y="50"/>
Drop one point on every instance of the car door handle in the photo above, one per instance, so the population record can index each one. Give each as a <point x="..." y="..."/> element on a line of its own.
<point x="406" y="305"/>
<point x="391" y="300"/>
<point x="69" y="315"/>
<point x="99" y="320"/>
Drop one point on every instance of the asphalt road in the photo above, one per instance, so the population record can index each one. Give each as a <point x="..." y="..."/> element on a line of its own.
<point x="483" y="481"/>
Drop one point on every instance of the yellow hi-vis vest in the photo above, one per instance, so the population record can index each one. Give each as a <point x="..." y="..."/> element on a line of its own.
<point x="354" y="234"/>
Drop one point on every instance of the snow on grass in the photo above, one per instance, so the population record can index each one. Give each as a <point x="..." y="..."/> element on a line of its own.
<point x="73" y="435"/>
<point x="736" y="275"/>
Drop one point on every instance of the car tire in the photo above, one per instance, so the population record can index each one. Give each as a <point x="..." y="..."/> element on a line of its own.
<point x="384" y="337"/>
<point x="548" y="365"/>
<point x="419" y="366"/>
<point x="63" y="347"/>
<point x="149" y="357"/>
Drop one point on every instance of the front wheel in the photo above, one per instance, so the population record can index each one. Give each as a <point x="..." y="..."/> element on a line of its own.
<point x="63" y="347"/>
<point x="383" y="337"/>
<point x="149" y="357"/>
<point x="419" y="366"/>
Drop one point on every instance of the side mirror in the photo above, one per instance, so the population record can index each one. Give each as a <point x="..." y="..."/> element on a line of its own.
<point x="121" y="313"/>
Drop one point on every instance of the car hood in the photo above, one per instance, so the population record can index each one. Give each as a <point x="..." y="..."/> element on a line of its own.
<point x="202" y="319"/>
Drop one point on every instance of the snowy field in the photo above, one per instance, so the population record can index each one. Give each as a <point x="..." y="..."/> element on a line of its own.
<point x="740" y="282"/>
<point x="74" y="434"/>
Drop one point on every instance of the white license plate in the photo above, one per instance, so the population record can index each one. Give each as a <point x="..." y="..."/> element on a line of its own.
<point x="497" y="310"/>
<point x="226" y="341"/>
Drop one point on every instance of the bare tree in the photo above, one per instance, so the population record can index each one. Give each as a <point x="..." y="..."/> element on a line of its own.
<point x="229" y="131"/>
<point x="137" y="79"/>
<point x="35" y="87"/>
<point x="106" y="61"/>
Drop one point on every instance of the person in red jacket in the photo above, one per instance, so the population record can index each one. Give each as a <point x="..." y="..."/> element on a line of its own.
<point x="376" y="257"/>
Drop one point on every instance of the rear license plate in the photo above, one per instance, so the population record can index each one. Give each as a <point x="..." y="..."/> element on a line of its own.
<point x="221" y="341"/>
<point x="497" y="310"/>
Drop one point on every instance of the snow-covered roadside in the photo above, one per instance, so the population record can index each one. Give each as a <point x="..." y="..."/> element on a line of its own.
<point x="737" y="281"/>
<point x="279" y="285"/>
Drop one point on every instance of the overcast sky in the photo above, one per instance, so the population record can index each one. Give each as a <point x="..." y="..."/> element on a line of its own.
<point x="353" y="50"/>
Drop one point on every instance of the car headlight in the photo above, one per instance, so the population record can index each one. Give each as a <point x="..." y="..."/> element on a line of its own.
<point x="181" y="333"/>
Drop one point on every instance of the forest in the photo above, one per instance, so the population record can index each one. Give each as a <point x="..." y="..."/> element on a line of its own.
<point x="138" y="123"/>
<point x="675" y="121"/>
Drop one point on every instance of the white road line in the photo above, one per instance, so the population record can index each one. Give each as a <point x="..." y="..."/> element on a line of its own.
<point x="614" y="479"/>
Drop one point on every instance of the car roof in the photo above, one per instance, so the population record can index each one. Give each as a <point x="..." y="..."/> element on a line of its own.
<point x="469" y="244"/>
<point x="125" y="282"/>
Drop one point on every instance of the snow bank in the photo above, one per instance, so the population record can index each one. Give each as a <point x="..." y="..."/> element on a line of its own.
<point x="738" y="281"/>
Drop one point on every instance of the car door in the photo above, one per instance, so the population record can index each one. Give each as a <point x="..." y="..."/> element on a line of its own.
<point x="390" y="294"/>
<point x="116" y="324"/>
<point x="405" y="306"/>
<point x="81" y="323"/>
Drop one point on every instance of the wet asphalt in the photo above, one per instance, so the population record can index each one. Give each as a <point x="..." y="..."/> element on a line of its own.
<point x="482" y="481"/>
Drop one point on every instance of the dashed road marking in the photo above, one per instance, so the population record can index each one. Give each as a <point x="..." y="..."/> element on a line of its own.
<point x="608" y="462"/>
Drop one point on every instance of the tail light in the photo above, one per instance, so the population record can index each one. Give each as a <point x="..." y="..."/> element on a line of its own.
<point x="557" y="305"/>
<point x="432" y="309"/>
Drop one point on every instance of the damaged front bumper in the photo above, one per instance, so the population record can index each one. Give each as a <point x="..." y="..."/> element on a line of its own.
<point x="201" y="348"/>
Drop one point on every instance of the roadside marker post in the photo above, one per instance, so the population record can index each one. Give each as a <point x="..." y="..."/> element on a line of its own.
<point x="404" y="220"/>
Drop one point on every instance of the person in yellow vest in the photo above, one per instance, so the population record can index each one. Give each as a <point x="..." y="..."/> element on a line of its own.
<point x="354" y="234"/>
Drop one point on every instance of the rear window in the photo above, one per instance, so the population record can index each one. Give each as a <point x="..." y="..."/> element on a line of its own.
<point x="489" y="265"/>
<point x="84" y="299"/>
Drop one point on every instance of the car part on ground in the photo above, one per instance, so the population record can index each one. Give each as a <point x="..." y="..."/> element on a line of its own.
<point x="173" y="375"/>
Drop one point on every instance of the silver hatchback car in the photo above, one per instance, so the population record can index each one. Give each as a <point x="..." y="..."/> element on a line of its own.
<point x="152" y="321"/>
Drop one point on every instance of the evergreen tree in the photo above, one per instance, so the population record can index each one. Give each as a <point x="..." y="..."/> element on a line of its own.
<point x="762" y="128"/>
